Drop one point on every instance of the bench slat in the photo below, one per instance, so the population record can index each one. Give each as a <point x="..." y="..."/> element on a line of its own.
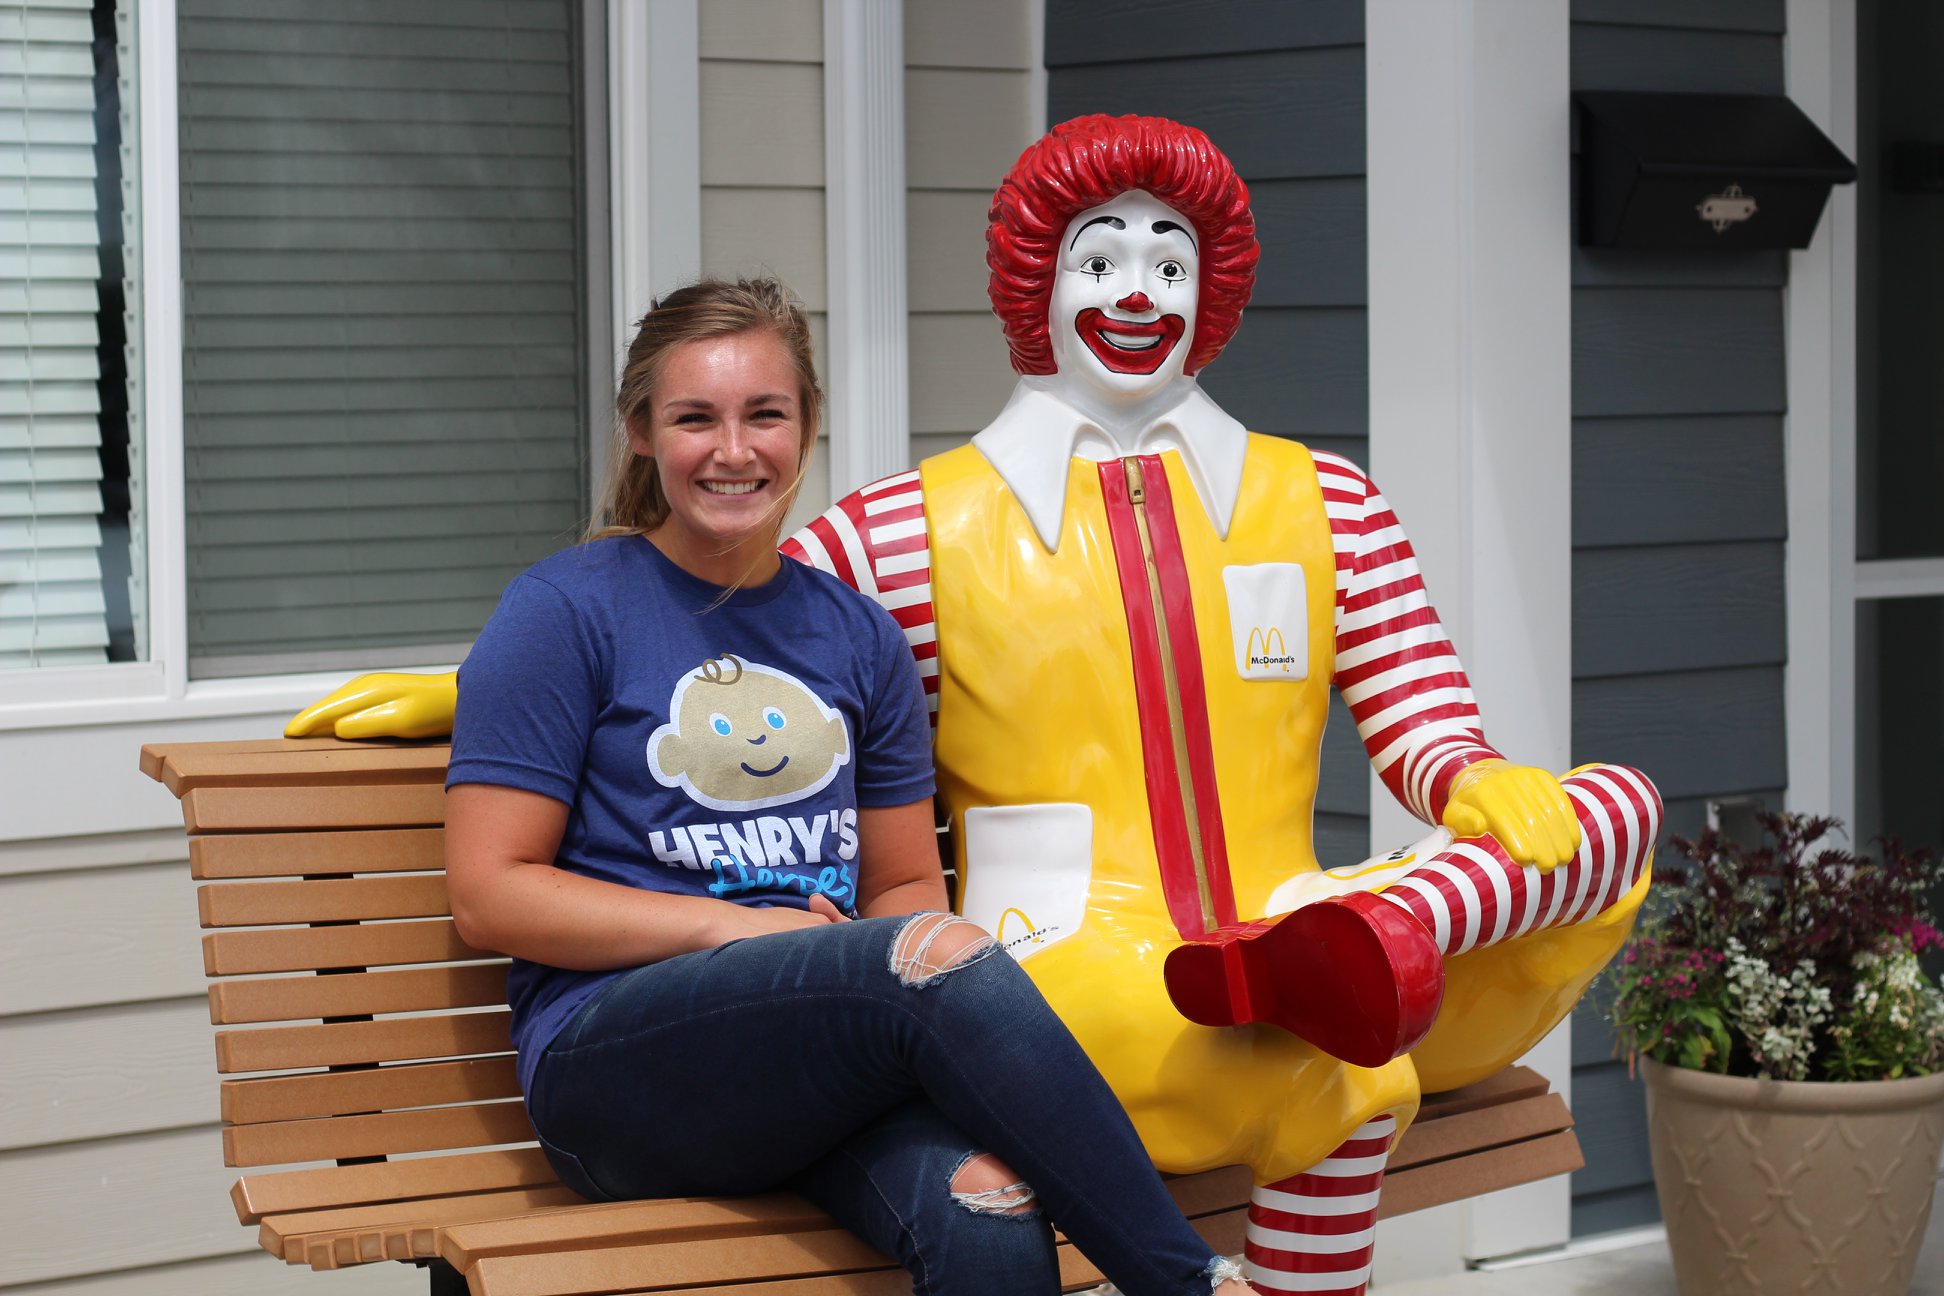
<point x="354" y="805"/>
<point x="1481" y="1172"/>
<point x="178" y="765"/>
<point x="312" y="949"/>
<point x="302" y="854"/>
<point x="264" y="904"/>
<point x="303" y="765"/>
<point x="674" y="1264"/>
<point x="391" y="1088"/>
<point x="429" y="1129"/>
<point x="409" y="1228"/>
<point x="1479" y="1129"/>
<point x="357" y="994"/>
<point x="394" y="1039"/>
<point x="422" y="1178"/>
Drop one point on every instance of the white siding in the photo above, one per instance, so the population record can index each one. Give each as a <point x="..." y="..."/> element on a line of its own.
<point x="968" y="114"/>
<point x="763" y="161"/>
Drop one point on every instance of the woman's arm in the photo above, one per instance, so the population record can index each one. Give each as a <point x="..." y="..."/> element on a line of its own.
<point x="507" y="895"/>
<point x="897" y="861"/>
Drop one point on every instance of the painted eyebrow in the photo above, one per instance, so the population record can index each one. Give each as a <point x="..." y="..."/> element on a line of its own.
<point x="1175" y="227"/>
<point x="1115" y="221"/>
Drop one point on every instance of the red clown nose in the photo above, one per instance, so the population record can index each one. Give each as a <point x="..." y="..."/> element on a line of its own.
<point x="1134" y="303"/>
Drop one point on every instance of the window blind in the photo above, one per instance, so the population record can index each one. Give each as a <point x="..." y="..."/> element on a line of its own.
<point x="382" y="295"/>
<point x="66" y="142"/>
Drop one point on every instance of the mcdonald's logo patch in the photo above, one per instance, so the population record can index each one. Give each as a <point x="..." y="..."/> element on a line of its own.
<point x="1269" y="620"/>
<point x="1266" y="649"/>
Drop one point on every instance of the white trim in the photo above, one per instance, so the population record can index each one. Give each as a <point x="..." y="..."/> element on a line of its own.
<point x="866" y="369"/>
<point x="1819" y="434"/>
<point x="1036" y="79"/>
<point x="1470" y="242"/>
<point x="597" y="235"/>
<point x="654" y="153"/>
<point x="1889" y="578"/>
<point x="164" y="674"/>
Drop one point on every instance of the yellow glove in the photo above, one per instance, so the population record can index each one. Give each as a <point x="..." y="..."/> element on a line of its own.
<point x="385" y="705"/>
<point x="1522" y="807"/>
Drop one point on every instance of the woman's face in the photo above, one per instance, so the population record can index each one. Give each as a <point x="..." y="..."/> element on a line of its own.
<point x="1122" y="314"/>
<point x="724" y="427"/>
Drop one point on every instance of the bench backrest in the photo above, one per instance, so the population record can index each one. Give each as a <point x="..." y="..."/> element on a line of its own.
<point x="357" y="1027"/>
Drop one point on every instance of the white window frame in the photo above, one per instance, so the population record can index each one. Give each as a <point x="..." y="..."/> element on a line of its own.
<point x="160" y="688"/>
<point x="1826" y="581"/>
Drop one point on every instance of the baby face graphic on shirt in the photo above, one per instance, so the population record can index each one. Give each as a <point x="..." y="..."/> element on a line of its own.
<point x="742" y="736"/>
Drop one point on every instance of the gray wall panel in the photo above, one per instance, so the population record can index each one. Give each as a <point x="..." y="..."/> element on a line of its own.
<point x="1718" y="15"/>
<point x="1677" y="351"/>
<point x="1277" y="115"/>
<point x="1637" y="268"/>
<point x="1314" y="243"/>
<point x="1343" y="786"/>
<point x="1115" y="31"/>
<point x="1634" y="58"/>
<point x="1669" y="480"/>
<point x="1677" y="607"/>
<point x="1696" y="733"/>
<point x="1301" y="373"/>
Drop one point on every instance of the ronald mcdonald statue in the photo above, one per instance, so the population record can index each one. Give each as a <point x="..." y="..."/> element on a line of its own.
<point x="1128" y="612"/>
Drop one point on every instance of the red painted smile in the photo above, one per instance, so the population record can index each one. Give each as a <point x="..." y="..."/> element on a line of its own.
<point x="1125" y="346"/>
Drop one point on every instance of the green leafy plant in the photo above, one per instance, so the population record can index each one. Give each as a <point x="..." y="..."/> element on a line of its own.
<point x="1785" y="960"/>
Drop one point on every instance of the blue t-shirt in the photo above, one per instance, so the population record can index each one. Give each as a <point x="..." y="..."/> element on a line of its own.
<point x="704" y="745"/>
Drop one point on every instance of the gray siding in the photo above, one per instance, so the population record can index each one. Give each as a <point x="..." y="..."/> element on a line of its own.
<point x="1678" y="515"/>
<point x="1279" y="87"/>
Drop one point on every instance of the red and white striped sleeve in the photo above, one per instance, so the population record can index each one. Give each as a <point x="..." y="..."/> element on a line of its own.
<point x="874" y="541"/>
<point x="1395" y="667"/>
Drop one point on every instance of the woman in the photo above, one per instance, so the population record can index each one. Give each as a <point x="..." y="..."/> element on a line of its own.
<point x="690" y="793"/>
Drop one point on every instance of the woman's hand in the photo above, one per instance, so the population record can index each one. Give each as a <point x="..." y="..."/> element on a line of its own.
<point x="753" y="920"/>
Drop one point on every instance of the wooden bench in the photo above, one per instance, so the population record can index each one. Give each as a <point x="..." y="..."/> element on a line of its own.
<point x="364" y="1043"/>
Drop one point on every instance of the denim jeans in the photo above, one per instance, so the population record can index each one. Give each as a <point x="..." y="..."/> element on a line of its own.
<point x="803" y="1060"/>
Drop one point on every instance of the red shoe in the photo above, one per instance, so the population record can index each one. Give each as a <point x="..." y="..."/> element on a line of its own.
<point x="1355" y="975"/>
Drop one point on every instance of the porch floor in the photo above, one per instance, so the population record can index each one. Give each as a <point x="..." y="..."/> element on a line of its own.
<point x="1639" y="1270"/>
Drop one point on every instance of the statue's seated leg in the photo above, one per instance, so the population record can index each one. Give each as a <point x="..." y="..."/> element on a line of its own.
<point x="1314" y="1232"/>
<point x="1471" y="894"/>
<point x="1353" y="980"/>
<point x="1356" y="977"/>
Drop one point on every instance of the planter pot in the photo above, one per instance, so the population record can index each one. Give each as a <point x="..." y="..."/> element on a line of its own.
<point x="1772" y="1186"/>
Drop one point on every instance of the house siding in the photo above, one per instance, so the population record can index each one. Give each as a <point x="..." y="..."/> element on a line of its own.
<point x="1279" y="88"/>
<point x="968" y="115"/>
<point x="112" y="1180"/>
<point x="1679" y="517"/>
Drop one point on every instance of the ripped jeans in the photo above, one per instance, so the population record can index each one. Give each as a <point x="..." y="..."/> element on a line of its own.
<point x="865" y="1071"/>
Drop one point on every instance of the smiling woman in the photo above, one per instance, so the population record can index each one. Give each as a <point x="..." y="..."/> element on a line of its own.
<point x="690" y="794"/>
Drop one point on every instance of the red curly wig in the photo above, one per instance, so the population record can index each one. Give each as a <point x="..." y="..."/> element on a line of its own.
<point x="1088" y="161"/>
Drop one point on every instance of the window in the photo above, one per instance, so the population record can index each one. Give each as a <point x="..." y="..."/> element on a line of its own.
<point x="71" y="571"/>
<point x="385" y="404"/>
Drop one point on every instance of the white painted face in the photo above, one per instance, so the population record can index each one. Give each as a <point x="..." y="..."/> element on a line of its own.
<point x="1122" y="315"/>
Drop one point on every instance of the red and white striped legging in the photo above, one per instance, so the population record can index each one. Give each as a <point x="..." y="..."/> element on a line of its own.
<point x="1471" y="894"/>
<point x="1314" y="1232"/>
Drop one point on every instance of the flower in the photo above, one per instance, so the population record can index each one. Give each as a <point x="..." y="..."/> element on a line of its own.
<point x="1785" y="961"/>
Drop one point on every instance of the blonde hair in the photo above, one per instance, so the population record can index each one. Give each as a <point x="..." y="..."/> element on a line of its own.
<point x="632" y="502"/>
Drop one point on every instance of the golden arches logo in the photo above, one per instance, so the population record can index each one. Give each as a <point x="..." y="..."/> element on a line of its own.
<point x="1031" y="933"/>
<point x="1275" y="652"/>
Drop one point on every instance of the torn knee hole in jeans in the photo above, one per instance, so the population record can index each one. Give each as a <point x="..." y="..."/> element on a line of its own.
<point x="931" y="945"/>
<point x="985" y="1185"/>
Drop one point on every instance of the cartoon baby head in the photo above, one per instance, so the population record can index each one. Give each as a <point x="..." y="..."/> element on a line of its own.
<point x="743" y="736"/>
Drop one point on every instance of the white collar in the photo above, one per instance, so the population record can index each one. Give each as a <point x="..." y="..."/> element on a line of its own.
<point x="1038" y="433"/>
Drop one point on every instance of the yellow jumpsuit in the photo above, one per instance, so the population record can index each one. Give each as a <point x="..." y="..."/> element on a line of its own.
<point x="1037" y="705"/>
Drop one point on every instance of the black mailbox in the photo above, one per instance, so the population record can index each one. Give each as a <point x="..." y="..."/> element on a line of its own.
<point x="1702" y="171"/>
